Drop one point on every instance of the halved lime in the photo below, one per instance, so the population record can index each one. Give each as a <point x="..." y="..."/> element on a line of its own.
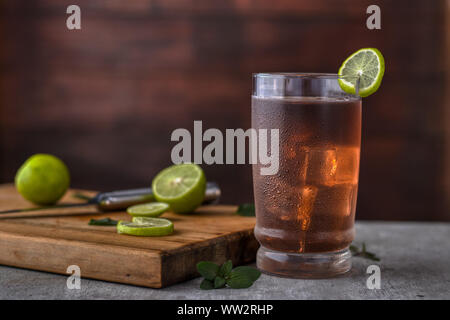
<point x="151" y="209"/>
<point x="367" y="64"/>
<point x="146" y="227"/>
<point x="182" y="186"/>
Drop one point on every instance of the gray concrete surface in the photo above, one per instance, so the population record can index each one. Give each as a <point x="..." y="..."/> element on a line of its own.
<point x="415" y="264"/>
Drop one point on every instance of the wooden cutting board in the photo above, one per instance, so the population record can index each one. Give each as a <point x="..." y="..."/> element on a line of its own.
<point x="52" y="240"/>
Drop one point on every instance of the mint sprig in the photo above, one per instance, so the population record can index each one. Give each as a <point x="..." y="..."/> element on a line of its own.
<point x="208" y="270"/>
<point x="363" y="253"/>
<point x="206" y="284"/>
<point x="216" y="277"/>
<point x="246" y="210"/>
<point x="103" y="222"/>
<point x="219" y="282"/>
<point x="225" y="268"/>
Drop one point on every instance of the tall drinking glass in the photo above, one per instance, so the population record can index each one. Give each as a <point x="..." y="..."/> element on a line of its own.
<point x="305" y="212"/>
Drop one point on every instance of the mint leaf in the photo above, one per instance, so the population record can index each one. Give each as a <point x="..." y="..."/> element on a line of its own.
<point x="103" y="222"/>
<point x="225" y="269"/>
<point x="206" y="285"/>
<point x="246" y="210"/>
<point x="243" y="277"/>
<point x="218" y="277"/>
<point x="252" y="273"/>
<point x="239" y="281"/>
<point x="370" y="256"/>
<point x="354" y="249"/>
<point x="207" y="269"/>
<point x="219" y="282"/>
<point x="363" y="253"/>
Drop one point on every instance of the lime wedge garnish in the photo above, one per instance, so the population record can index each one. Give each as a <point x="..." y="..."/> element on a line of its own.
<point x="151" y="209"/>
<point x="182" y="186"/>
<point x="146" y="227"/>
<point x="367" y="64"/>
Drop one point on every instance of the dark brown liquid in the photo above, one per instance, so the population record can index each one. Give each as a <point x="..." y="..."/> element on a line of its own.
<point x="309" y="205"/>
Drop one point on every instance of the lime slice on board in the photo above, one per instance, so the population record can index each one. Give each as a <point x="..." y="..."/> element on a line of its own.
<point x="367" y="64"/>
<point x="144" y="220"/>
<point x="146" y="227"/>
<point x="151" y="209"/>
<point x="182" y="186"/>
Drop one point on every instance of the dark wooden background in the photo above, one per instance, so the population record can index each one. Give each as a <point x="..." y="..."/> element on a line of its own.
<point x="106" y="98"/>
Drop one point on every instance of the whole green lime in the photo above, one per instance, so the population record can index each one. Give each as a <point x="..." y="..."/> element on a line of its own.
<point x="43" y="179"/>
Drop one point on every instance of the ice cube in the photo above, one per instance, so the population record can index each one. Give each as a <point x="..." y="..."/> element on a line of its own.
<point x="336" y="200"/>
<point x="290" y="153"/>
<point x="331" y="166"/>
<point x="321" y="166"/>
<point x="347" y="165"/>
<point x="302" y="165"/>
<point x="306" y="197"/>
<point x="287" y="203"/>
<point x="280" y="198"/>
<point x="293" y="164"/>
<point x="292" y="145"/>
<point x="305" y="206"/>
<point x="334" y="208"/>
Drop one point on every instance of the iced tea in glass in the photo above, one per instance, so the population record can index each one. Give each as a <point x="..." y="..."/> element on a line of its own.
<point x="305" y="212"/>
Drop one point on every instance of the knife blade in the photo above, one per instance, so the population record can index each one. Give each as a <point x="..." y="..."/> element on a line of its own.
<point x="121" y="199"/>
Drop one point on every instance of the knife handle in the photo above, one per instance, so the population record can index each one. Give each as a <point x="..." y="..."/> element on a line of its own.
<point x="119" y="200"/>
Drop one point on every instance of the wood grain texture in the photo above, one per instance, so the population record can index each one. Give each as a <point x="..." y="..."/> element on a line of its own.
<point x="52" y="243"/>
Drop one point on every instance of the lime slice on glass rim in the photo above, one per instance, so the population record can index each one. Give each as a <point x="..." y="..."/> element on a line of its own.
<point x="151" y="209"/>
<point x="146" y="227"/>
<point x="367" y="65"/>
<point x="182" y="186"/>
